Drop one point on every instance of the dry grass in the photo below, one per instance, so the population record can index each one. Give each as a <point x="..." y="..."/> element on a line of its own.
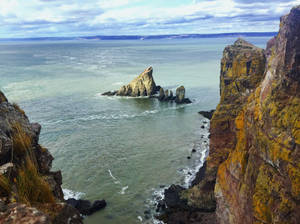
<point x="22" y="142"/>
<point x="32" y="188"/>
<point x="5" y="186"/>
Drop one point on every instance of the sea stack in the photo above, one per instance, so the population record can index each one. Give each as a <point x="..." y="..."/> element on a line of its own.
<point x="143" y="85"/>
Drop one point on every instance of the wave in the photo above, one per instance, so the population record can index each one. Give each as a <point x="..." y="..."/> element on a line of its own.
<point x="72" y="194"/>
<point x="118" y="116"/>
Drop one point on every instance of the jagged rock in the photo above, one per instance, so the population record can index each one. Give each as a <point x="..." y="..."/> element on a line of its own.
<point x="207" y="114"/>
<point x="161" y="94"/>
<point x="143" y="85"/>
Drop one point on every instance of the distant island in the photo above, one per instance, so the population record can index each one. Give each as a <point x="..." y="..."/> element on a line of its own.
<point x="146" y="37"/>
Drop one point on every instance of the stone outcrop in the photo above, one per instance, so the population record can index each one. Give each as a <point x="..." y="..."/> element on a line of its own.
<point x="29" y="191"/>
<point x="166" y="95"/>
<point x="252" y="173"/>
<point x="144" y="85"/>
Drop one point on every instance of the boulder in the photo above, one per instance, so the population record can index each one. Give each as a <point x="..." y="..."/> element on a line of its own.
<point x="85" y="207"/>
<point x="207" y="114"/>
<point x="143" y="85"/>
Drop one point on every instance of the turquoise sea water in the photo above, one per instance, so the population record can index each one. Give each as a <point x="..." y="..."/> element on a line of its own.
<point x="119" y="149"/>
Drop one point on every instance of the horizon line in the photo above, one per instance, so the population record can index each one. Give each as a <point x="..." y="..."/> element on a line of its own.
<point x="142" y="37"/>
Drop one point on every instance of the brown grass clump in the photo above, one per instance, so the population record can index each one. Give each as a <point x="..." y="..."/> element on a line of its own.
<point x="22" y="143"/>
<point x="32" y="188"/>
<point x="5" y="186"/>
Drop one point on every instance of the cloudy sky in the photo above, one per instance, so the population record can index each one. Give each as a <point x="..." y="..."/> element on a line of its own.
<point x="40" y="18"/>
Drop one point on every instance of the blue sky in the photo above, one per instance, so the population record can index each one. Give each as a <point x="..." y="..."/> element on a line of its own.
<point x="40" y="18"/>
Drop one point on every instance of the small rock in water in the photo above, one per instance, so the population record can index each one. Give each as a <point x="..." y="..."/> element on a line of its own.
<point x="162" y="186"/>
<point x="194" y="150"/>
<point x="202" y="126"/>
<point x="188" y="157"/>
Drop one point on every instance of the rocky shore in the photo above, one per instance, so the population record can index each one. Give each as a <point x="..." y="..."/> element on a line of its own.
<point x="252" y="173"/>
<point x="144" y="85"/>
<point x="29" y="191"/>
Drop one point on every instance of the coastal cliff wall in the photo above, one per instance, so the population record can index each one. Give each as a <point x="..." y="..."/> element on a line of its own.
<point x="252" y="173"/>
<point x="259" y="182"/>
<point x="29" y="191"/>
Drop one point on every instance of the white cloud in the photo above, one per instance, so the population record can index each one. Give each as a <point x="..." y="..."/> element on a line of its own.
<point x="115" y="17"/>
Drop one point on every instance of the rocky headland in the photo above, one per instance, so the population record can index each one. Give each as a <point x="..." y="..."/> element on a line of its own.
<point x="29" y="191"/>
<point x="252" y="173"/>
<point x="144" y="85"/>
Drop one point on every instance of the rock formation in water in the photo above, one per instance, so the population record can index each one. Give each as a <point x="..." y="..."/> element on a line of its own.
<point x="29" y="191"/>
<point x="252" y="174"/>
<point x="144" y="85"/>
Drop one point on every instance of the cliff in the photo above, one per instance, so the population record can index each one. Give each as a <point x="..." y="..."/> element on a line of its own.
<point x="259" y="182"/>
<point x="252" y="173"/>
<point x="29" y="191"/>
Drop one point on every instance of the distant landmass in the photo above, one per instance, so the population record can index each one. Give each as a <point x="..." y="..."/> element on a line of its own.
<point x="146" y="37"/>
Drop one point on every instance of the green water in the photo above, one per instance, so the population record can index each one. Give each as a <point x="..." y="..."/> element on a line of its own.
<point x="119" y="149"/>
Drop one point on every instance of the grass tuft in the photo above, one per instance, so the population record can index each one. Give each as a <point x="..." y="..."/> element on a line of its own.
<point x="32" y="188"/>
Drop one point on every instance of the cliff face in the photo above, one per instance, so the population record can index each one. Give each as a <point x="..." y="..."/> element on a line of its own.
<point x="255" y="135"/>
<point x="242" y="69"/>
<point x="29" y="191"/>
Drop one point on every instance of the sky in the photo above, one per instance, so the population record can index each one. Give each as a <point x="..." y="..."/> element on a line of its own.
<point x="70" y="18"/>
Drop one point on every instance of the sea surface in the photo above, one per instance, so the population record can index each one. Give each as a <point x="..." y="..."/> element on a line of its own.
<point x="123" y="150"/>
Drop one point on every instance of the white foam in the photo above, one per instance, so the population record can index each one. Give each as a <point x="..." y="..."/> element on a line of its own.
<point x="112" y="176"/>
<point x="72" y="194"/>
<point x="123" y="190"/>
<point x="140" y="218"/>
<point x="118" y="83"/>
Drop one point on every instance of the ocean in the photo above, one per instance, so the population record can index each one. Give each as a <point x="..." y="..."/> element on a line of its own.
<point x="124" y="150"/>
